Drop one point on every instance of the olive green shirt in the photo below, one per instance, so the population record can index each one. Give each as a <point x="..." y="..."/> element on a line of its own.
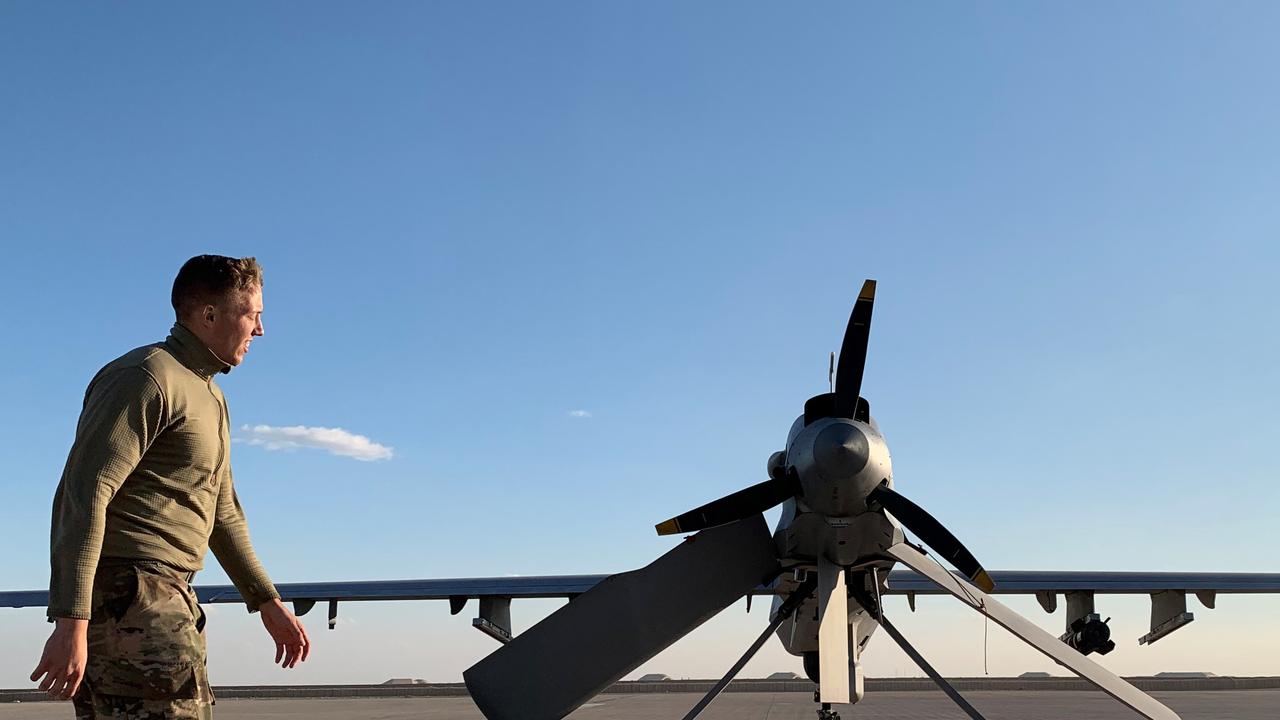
<point x="149" y="476"/>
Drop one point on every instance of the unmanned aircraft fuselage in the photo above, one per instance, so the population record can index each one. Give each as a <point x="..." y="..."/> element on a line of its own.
<point x="839" y="463"/>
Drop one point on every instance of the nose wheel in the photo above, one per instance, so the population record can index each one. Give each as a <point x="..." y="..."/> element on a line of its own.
<point x="825" y="712"/>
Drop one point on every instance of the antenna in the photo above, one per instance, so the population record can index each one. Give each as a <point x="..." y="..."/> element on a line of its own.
<point x="831" y="373"/>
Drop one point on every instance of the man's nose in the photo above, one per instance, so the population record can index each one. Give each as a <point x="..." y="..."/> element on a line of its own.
<point x="257" y="330"/>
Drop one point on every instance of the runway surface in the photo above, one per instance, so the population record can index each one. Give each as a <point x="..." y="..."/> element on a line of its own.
<point x="1038" y="705"/>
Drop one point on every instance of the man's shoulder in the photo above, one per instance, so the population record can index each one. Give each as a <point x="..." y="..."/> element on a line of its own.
<point x="149" y="360"/>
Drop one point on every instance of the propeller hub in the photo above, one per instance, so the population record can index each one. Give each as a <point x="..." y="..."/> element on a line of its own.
<point x="840" y="451"/>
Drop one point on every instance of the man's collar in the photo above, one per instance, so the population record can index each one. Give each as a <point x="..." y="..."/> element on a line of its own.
<point x="193" y="353"/>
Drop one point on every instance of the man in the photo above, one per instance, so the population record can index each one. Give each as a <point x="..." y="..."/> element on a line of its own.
<point x="146" y="491"/>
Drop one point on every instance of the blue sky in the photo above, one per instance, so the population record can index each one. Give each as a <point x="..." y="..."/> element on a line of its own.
<point x="478" y="218"/>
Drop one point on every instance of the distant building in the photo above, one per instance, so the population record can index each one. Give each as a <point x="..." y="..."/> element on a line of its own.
<point x="783" y="676"/>
<point x="1185" y="675"/>
<point x="1035" y="675"/>
<point x="654" y="677"/>
<point x="405" y="681"/>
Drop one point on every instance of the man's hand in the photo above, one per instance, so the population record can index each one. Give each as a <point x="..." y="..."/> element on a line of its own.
<point x="64" y="658"/>
<point x="291" y="639"/>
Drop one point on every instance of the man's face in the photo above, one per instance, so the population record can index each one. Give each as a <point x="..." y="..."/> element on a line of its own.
<point x="236" y="321"/>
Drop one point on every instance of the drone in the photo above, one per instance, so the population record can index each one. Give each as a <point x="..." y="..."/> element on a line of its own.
<point x="827" y="563"/>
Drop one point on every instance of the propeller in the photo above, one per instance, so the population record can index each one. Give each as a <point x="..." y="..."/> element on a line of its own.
<point x="735" y="506"/>
<point x="843" y="402"/>
<point x="933" y="534"/>
<point x="853" y="352"/>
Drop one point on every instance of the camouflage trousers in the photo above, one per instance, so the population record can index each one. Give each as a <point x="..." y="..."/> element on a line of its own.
<point x="146" y="648"/>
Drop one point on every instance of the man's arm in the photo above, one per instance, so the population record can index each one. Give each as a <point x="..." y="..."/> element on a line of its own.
<point x="123" y="412"/>
<point x="230" y="544"/>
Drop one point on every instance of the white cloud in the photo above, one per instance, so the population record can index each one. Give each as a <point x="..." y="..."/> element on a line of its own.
<point x="579" y="414"/>
<point x="335" y="440"/>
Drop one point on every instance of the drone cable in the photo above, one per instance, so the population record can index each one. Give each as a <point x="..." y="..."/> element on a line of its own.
<point x="986" y="623"/>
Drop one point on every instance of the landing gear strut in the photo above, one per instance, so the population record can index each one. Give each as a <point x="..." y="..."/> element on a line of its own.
<point x="873" y="606"/>
<point x="783" y="612"/>
<point x="811" y="669"/>
<point x="825" y="712"/>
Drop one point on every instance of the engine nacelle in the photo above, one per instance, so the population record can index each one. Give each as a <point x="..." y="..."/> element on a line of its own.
<point x="838" y="462"/>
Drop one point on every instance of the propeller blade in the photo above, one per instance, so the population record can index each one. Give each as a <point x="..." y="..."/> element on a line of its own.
<point x="834" y="640"/>
<point x="1032" y="634"/>
<point x="853" y="352"/>
<point x="933" y="534"/>
<point x="735" y="506"/>
<point x="553" y="667"/>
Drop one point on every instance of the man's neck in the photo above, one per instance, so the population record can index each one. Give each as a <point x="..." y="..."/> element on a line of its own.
<point x="193" y="352"/>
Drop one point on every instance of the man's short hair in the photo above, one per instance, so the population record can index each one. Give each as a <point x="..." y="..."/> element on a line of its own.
<point x="208" y="279"/>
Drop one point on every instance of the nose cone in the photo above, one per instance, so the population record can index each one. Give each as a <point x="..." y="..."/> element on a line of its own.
<point x="840" y="451"/>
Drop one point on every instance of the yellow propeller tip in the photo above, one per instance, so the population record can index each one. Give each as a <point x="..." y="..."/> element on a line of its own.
<point x="668" y="527"/>
<point x="984" y="581"/>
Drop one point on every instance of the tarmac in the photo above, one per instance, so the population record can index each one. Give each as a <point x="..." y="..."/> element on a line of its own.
<point x="892" y="705"/>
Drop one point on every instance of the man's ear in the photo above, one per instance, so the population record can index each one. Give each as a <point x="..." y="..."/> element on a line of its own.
<point x="209" y="314"/>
